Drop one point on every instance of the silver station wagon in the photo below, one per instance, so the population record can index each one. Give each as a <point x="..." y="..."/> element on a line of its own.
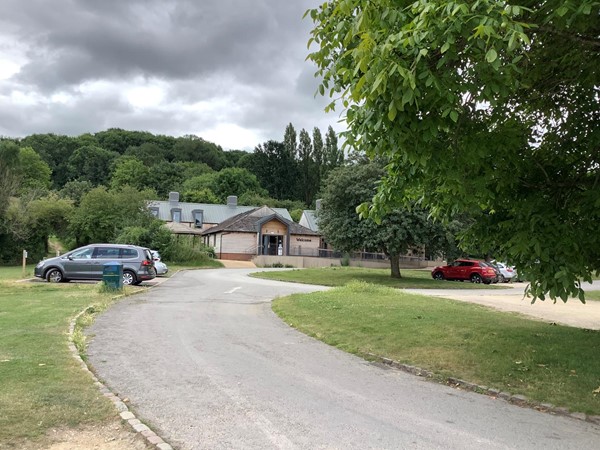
<point x="87" y="263"/>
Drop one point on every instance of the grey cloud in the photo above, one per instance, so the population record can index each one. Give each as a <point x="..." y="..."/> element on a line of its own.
<point x="185" y="40"/>
<point x="247" y="55"/>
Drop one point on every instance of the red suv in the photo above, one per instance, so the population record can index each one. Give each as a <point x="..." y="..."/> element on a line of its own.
<point x="466" y="269"/>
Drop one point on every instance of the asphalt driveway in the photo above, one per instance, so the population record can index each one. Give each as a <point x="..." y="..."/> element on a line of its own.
<point x="206" y="363"/>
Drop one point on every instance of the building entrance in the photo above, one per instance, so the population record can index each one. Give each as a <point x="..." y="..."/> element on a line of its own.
<point x="271" y="244"/>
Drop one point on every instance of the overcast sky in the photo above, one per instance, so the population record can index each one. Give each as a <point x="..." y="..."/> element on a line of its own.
<point x="230" y="71"/>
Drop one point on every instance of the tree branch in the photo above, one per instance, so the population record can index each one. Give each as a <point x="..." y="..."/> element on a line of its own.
<point x="581" y="38"/>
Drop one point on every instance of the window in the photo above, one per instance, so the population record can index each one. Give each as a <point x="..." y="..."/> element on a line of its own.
<point x="154" y="211"/>
<point x="198" y="218"/>
<point x="176" y="215"/>
<point x="128" y="253"/>
<point x="106" y="253"/>
<point x="85" y="253"/>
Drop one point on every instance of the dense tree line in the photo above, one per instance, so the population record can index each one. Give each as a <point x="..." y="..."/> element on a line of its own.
<point x="295" y="168"/>
<point x="93" y="187"/>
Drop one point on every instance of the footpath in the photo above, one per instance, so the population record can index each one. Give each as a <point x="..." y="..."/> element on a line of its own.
<point x="572" y="313"/>
<point x="229" y="264"/>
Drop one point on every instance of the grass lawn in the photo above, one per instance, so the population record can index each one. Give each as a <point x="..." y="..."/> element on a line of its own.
<point x="42" y="386"/>
<point x="339" y="276"/>
<point x="16" y="272"/>
<point x="546" y="363"/>
<point x="592" y="295"/>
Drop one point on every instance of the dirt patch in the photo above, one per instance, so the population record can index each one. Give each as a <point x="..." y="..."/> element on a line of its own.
<point x="111" y="436"/>
<point x="230" y="264"/>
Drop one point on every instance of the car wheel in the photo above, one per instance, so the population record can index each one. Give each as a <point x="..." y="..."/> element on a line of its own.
<point x="476" y="278"/>
<point x="128" y="278"/>
<point x="438" y="276"/>
<point x="54" y="276"/>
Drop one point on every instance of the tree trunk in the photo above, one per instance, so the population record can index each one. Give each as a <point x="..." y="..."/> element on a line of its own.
<point x="395" y="264"/>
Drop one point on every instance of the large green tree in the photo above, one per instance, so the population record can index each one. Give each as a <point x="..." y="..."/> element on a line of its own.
<point x="56" y="151"/>
<point x="486" y="107"/>
<point x="194" y="148"/>
<point x="33" y="171"/>
<point x="235" y="181"/>
<point x="28" y="223"/>
<point x="91" y="163"/>
<point x="9" y="178"/>
<point x="129" y="171"/>
<point x="149" y="153"/>
<point x="307" y="169"/>
<point x="400" y="229"/>
<point x="318" y="155"/>
<point x="274" y="165"/>
<point x="333" y="155"/>
<point x="102" y="215"/>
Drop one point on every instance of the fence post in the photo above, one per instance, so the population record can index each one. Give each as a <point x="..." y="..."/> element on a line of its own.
<point x="24" y="261"/>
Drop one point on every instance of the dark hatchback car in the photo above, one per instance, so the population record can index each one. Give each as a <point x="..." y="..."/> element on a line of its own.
<point x="87" y="263"/>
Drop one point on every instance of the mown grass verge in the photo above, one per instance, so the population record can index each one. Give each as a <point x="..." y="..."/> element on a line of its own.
<point x="42" y="386"/>
<point x="546" y="363"/>
<point x="339" y="276"/>
<point x="592" y="295"/>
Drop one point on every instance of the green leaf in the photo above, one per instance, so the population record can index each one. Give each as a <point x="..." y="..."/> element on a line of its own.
<point x="392" y="112"/>
<point x="491" y="55"/>
<point x="445" y="47"/>
<point x="454" y="116"/>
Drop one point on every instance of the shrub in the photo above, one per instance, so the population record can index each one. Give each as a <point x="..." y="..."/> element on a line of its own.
<point x="345" y="261"/>
<point x="181" y="252"/>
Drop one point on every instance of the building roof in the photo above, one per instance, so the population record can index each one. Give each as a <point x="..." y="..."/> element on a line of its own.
<point x="211" y="213"/>
<point x="309" y="219"/>
<point x="182" y="228"/>
<point x="251" y="221"/>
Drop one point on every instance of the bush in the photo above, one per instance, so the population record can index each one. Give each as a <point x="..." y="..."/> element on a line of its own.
<point x="182" y="253"/>
<point x="345" y="261"/>
<point x="155" y="236"/>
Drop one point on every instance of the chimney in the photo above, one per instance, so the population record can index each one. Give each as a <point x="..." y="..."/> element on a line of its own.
<point x="318" y="205"/>
<point x="232" y="201"/>
<point x="173" y="197"/>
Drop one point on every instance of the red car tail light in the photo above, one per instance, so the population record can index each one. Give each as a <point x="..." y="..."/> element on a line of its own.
<point x="146" y="262"/>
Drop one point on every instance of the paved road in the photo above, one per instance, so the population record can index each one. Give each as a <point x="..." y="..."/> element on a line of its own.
<point x="204" y="360"/>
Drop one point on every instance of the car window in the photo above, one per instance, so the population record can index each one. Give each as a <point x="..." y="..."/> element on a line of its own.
<point x="127" y="253"/>
<point x="148" y="255"/>
<point x="466" y="264"/>
<point x="106" y="253"/>
<point x="85" y="253"/>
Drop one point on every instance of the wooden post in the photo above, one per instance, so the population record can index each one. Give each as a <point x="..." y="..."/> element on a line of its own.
<point x="24" y="261"/>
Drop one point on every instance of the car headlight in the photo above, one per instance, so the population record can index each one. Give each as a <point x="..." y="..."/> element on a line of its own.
<point x="40" y="264"/>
